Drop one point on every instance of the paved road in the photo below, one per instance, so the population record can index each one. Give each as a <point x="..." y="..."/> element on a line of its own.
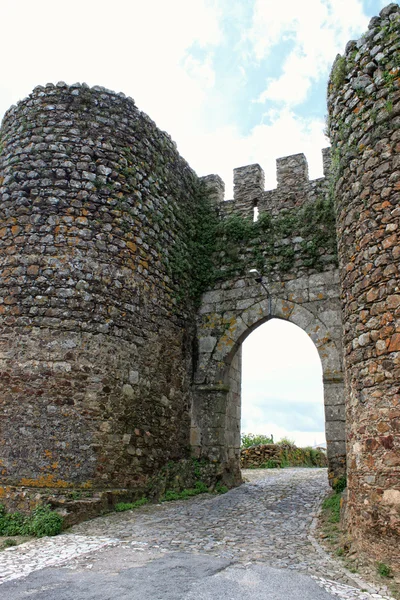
<point x="254" y="542"/>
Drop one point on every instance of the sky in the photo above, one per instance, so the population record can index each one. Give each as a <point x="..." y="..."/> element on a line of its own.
<point x="282" y="390"/>
<point x="233" y="82"/>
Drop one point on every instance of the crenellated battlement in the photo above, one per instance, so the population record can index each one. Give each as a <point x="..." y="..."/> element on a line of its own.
<point x="248" y="188"/>
<point x="124" y="300"/>
<point x="292" y="170"/>
<point x="294" y="186"/>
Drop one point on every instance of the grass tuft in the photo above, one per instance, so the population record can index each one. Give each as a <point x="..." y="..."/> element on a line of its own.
<point x="122" y="506"/>
<point x="332" y="505"/>
<point x="384" y="570"/>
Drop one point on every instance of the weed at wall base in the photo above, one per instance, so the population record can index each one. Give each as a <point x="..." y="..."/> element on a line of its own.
<point x="41" y="522"/>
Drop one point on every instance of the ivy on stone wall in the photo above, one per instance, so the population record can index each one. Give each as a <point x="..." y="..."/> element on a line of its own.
<point x="215" y="249"/>
<point x="187" y="258"/>
<point x="190" y="258"/>
<point x="303" y="236"/>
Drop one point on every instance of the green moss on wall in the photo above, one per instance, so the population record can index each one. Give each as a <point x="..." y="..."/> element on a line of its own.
<point x="303" y="236"/>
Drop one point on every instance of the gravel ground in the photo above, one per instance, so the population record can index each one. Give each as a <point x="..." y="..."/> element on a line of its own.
<point x="267" y="521"/>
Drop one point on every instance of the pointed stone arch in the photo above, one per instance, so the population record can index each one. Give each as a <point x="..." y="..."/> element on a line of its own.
<point x="217" y="403"/>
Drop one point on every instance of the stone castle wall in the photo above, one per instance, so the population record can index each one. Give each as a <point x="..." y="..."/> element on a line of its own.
<point x="364" y="119"/>
<point x="94" y="208"/>
<point x="126" y="294"/>
<point x="293" y="245"/>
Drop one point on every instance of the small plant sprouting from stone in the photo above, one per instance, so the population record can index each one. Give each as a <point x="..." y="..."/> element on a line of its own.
<point x="332" y="506"/>
<point x="285" y="441"/>
<point x="389" y="106"/>
<point x="339" y="72"/>
<point x="75" y="495"/>
<point x="384" y="570"/>
<point x="171" y="495"/>
<point x="200" y="488"/>
<point x="270" y="464"/>
<point x="339" y="484"/>
<point x="221" y="489"/>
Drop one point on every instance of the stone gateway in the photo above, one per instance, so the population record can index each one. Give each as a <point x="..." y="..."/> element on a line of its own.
<point x="126" y="294"/>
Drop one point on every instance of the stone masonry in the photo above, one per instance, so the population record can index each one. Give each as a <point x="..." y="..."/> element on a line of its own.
<point x="364" y="119"/>
<point x="125" y="293"/>
<point x="293" y="245"/>
<point x="93" y="198"/>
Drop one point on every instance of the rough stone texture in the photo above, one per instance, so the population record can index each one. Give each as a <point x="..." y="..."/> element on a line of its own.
<point x="99" y="220"/>
<point x="93" y="198"/>
<point x="97" y="212"/>
<point x="300" y="284"/>
<point x="101" y="225"/>
<point x="248" y="189"/>
<point x="364" y="118"/>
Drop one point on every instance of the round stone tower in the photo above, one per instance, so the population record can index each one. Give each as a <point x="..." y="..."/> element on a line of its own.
<point x="364" y="119"/>
<point x="95" y="213"/>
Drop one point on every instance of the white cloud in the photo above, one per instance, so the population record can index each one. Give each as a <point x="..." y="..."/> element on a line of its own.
<point x="319" y="30"/>
<point x="293" y="85"/>
<point x="281" y="134"/>
<point x="136" y="47"/>
<point x="200" y="71"/>
<point x="282" y="389"/>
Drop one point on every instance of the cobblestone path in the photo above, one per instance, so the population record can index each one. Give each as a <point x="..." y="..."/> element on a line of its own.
<point x="267" y="520"/>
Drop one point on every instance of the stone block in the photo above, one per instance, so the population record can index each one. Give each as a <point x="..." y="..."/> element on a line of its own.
<point x="212" y="296"/>
<point x="334" y="394"/>
<point x="301" y="317"/>
<point x="335" y="431"/>
<point x="336" y="449"/>
<point x="331" y="318"/>
<point x="255" y="313"/>
<point x="335" y="413"/>
<point x="207" y="344"/>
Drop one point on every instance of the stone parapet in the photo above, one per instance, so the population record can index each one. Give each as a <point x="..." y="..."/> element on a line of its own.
<point x="294" y="188"/>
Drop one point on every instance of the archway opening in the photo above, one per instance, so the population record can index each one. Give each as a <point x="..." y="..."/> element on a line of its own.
<point x="216" y="408"/>
<point x="282" y="385"/>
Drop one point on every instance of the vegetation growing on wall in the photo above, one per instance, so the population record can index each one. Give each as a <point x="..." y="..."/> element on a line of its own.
<point x="339" y="71"/>
<point x="191" y="258"/>
<point x="355" y="132"/>
<point x="219" y="249"/>
<point x="283" y="454"/>
<point x="269" y="244"/>
<point x="250" y="439"/>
